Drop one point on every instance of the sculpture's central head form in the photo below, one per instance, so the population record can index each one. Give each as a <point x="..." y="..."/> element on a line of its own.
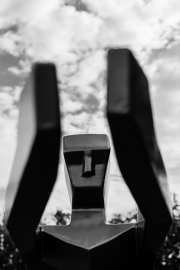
<point x="86" y="169"/>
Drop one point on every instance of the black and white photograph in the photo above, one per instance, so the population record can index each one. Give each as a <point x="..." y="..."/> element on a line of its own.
<point x="89" y="135"/>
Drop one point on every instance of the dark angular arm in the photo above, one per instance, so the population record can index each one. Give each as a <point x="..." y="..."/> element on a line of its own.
<point x="131" y="124"/>
<point x="36" y="160"/>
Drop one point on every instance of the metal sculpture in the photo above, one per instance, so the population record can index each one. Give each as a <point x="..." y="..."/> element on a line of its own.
<point x="131" y="123"/>
<point x="36" y="161"/>
<point x="88" y="242"/>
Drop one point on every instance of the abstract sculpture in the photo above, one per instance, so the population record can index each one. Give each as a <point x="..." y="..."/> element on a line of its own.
<point x="88" y="242"/>
<point x="36" y="161"/>
<point x="131" y="123"/>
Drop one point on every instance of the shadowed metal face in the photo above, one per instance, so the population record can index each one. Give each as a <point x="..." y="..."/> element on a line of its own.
<point x="86" y="159"/>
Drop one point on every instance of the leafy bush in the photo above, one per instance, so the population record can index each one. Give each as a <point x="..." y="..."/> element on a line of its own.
<point x="168" y="257"/>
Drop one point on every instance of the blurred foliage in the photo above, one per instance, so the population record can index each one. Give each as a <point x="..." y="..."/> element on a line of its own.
<point x="119" y="218"/>
<point x="62" y="218"/>
<point x="168" y="257"/>
<point x="10" y="258"/>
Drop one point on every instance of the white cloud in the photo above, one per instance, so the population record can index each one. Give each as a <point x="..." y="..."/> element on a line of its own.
<point x="15" y="70"/>
<point x="7" y="146"/>
<point x="9" y="95"/>
<point x="6" y="101"/>
<point x="50" y="30"/>
<point x="134" y="23"/>
<point x="106" y="9"/>
<point x="9" y="42"/>
<point x="166" y="99"/>
<point x="8" y="129"/>
<point x="79" y="119"/>
<point x="77" y="42"/>
<point x="28" y="11"/>
<point x="89" y="69"/>
<point x="6" y="88"/>
<point x="71" y="106"/>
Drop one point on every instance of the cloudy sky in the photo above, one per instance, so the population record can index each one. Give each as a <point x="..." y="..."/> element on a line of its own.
<point x="76" y="35"/>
